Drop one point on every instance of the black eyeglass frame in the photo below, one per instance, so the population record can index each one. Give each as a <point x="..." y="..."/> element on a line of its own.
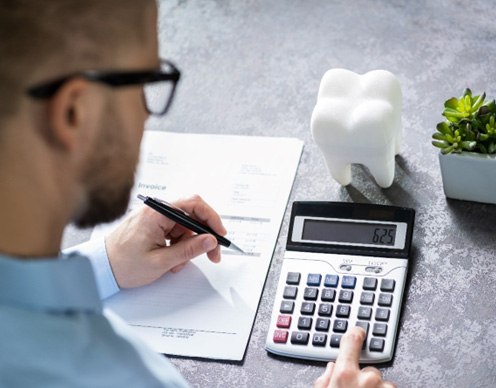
<point x="114" y="79"/>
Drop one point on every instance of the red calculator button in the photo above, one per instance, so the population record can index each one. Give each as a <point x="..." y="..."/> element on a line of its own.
<point x="283" y="321"/>
<point x="280" y="336"/>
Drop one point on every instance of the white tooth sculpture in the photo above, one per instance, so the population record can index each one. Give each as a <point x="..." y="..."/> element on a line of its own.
<point x="357" y="119"/>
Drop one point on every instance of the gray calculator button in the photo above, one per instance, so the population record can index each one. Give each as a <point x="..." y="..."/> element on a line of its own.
<point x="325" y="309"/>
<point x="307" y="308"/>
<point x="287" y="307"/>
<point x="322" y="324"/>
<point x="304" y="323"/>
<point x="379" y="330"/>
<point x="328" y="295"/>
<point x="290" y="292"/>
<point x="335" y="340"/>
<point x="299" y="338"/>
<point x="293" y="278"/>
<point x="340" y="326"/>
<point x="376" y="345"/>
<point x="310" y="293"/>
<point x="345" y="296"/>
<point x="343" y="311"/>
<point x="385" y="300"/>
<point x="364" y="326"/>
<point x="370" y="284"/>
<point x="367" y="298"/>
<point x="319" y="339"/>
<point x="364" y="312"/>
<point x="387" y="285"/>
<point x="382" y="315"/>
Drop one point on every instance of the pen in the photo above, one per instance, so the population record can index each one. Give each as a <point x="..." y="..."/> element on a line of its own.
<point x="182" y="218"/>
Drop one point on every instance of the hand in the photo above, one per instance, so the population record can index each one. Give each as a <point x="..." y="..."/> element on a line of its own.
<point x="346" y="373"/>
<point x="147" y="244"/>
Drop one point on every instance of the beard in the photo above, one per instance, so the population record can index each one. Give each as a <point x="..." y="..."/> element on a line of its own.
<point x="109" y="176"/>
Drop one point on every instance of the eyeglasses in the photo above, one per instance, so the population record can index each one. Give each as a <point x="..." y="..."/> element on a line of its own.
<point x="158" y="85"/>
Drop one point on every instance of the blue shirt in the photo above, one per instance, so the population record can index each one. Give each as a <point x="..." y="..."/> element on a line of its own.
<point x="54" y="331"/>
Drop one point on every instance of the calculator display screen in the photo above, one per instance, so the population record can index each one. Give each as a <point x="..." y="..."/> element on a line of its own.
<point x="349" y="232"/>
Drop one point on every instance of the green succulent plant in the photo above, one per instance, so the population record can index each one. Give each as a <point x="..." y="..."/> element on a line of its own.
<point x="469" y="125"/>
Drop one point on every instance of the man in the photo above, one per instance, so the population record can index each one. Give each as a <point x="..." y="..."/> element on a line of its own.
<point x="78" y="80"/>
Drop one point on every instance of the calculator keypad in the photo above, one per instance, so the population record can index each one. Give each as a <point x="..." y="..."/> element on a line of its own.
<point x="325" y="312"/>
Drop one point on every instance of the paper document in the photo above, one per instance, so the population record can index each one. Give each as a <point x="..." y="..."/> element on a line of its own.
<point x="208" y="310"/>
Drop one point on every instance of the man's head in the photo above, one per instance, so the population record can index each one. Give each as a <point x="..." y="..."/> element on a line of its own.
<point x="93" y="129"/>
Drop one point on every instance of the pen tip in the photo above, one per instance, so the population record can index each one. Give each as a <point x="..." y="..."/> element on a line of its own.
<point x="142" y="197"/>
<point x="236" y="248"/>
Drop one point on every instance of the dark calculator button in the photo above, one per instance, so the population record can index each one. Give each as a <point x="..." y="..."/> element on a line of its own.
<point x="364" y="326"/>
<point x="328" y="295"/>
<point x="319" y="339"/>
<point x="387" y="285"/>
<point x="293" y="278"/>
<point x="290" y="292"/>
<point x="370" y="284"/>
<point x="299" y="338"/>
<point x="283" y="321"/>
<point x="343" y="311"/>
<point x="364" y="312"/>
<point x="348" y="282"/>
<point x="331" y="280"/>
<point x="335" y="340"/>
<point x="379" y="330"/>
<point x="287" y="307"/>
<point x="325" y="309"/>
<point x="307" y="308"/>
<point x="310" y="293"/>
<point x="345" y="296"/>
<point x="322" y="324"/>
<point x="367" y="298"/>
<point x="376" y="345"/>
<point x="304" y="323"/>
<point x="385" y="300"/>
<point x="340" y="326"/>
<point x="382" y="315"/>
<point x="280" y="336"/>
<point x="314" y="279"/>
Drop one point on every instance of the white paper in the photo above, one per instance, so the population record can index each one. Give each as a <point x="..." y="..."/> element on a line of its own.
<point x="207" y="310"/>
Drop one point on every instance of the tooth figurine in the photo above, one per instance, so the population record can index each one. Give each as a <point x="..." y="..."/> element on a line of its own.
<point x="357" y="119"/>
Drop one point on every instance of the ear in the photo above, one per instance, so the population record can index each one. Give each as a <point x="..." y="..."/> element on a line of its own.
<point x="67" y="113"/>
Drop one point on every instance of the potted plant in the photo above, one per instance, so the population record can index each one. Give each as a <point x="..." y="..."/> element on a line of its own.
<point x="467" y="140"/>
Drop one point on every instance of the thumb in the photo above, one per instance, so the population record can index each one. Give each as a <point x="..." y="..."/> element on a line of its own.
<point x="189" y="248"/>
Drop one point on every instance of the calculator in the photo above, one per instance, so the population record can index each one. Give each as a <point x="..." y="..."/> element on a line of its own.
<point x="345" y="265"/>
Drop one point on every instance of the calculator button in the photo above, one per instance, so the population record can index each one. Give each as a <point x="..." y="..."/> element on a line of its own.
<point x="367" y="298"/>
<point x="380" y="329"/>
<point x="322" y="324"/>
<point x="304" y="323"/>
<point x="307" y="308"/>
<point x="387" y="285"/>
<point x="331" y="280"/>
<point x="373" y="269"/>
<point x="280" y="336"/>
<point x="290" y="292"/>
<point x="364" y="312"/>
<point x="370" y="284"/>
<point x="345" y="296"/>
<point x="382" y="315"/>
<point x="364" y="326"/>
<point x="299" y="338"/>
<point x="345" y="267"/>
<point x="283" y="321"/>
<point x="319" y="339"/>
<point x="314" y="279"/>
<point x="325" y="309"/>
<point x="287" y="307"/>
<point x="328" y="295"/>
<point x="348" y="282"/>
<point x="311" y="293"/>
<point x="293" y="278"/>
<point x="343" y="311"/>
<point x="340" y="326"/>
<point x="335" y="340"/>
<point x="376" y="345"/>
<point x="385" y="300"/>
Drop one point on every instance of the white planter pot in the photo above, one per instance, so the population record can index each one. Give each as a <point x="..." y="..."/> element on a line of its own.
<point x="469" y="176"/>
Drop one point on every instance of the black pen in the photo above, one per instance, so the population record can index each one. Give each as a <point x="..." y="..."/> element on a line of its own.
<point x="182" y="218"/>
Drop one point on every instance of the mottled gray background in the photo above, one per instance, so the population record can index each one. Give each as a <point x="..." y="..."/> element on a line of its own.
<point x="253" y="67"/>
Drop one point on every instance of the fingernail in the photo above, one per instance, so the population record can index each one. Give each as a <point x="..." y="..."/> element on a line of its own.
<point x="209" y="243"/>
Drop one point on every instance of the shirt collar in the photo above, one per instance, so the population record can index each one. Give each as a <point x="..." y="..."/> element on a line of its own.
<point x="59" y="285"/>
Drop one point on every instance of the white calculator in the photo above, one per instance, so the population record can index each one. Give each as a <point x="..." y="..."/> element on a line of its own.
<point x="345" y="265"/>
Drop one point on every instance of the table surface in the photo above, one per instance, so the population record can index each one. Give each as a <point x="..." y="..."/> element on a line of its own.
<point x="254" y="68"/>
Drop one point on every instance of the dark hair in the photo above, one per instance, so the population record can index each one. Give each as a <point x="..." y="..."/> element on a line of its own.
<point x="45" y="39"/>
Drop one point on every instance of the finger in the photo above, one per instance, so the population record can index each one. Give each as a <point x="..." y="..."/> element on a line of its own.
<point x="388" y="384"/>
<point x="187" y="249"/>
<point x="214" y="255"/>
<point x="200" y="210"/>
<point x="323" y="380"/>
<point x="350" y="348"/>
<point x="370" y="377"/>
<point x="178" y="268"/>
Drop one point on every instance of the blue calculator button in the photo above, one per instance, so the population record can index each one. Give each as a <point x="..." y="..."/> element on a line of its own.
<point x="314" y="279"/>
<point x="348" y="282"/>
<point x="331" y="280"/>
